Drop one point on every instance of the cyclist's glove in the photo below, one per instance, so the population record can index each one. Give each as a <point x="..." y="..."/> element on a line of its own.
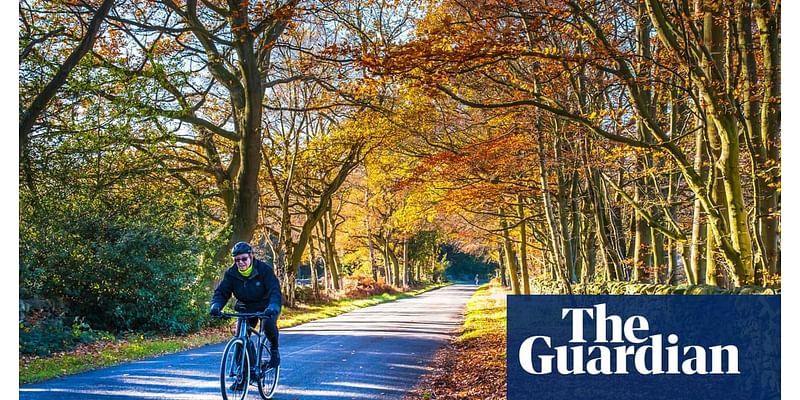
<point x="272" y="309"/>
<point x="215" y="310"/>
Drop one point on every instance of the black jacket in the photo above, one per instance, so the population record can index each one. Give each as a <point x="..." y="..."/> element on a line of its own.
<point x="253" y="293"/>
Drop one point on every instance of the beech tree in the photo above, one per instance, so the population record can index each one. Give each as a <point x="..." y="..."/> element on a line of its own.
<point x="595" y="72"/>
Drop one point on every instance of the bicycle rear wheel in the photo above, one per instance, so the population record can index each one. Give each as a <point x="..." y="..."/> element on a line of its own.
<point x="268" y="378"/>
<point x="234" y="377"/>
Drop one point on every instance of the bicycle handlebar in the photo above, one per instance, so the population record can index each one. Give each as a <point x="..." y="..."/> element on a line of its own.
<point x="246" y="315"/>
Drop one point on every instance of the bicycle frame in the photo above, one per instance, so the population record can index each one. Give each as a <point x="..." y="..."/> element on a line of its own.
<point x="266" y="377"/>
<point x="244" y="334"/>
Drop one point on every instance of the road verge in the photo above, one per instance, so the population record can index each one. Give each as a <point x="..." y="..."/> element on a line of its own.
<point x="472" y="365"/>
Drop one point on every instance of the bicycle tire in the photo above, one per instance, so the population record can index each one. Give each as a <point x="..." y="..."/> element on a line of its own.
<point x="234" y="371"/>
<point x="268" y="379"/>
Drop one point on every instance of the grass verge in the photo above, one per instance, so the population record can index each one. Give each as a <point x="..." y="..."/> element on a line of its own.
<point x="473" y="365"/>
<point x="135" y="347"/>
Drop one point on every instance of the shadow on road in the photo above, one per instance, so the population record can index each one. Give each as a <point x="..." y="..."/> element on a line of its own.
<point x="374" y="353"/>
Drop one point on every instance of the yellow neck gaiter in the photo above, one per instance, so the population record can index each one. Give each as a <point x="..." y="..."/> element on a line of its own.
<point x="246" y="273"/>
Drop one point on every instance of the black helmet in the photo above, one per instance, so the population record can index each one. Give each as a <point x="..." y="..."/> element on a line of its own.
<point x="241" y="248"/>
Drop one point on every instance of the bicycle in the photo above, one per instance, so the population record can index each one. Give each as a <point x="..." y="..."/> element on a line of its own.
<point x="235" y="372"/>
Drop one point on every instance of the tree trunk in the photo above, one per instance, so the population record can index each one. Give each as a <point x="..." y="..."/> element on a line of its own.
<point x="333" y="265"/>
<point x="607" y="254"/>
<point x="332" y="243"/>
<point x="671" y="262"/>
<point x="511" y="259"/>
<point x="387" y="264"/>
<point x="523" y="246"/>
<point x="563" y="210"/>
<point x="768" y="22"/>
<point x="617" y="233"/>
<point x="643" y="239"/>
<point x="502" y="264"/>
<point x="695" y="272"/>
<point x="329" y="256"/>
<point x="641" y="244"/>
<point x="418" y="271"/>
<point x="405" y="263"/>
<point x="396" y="278"/>
<point x="587" y="244"/>
<point x="574" y="240"/>
<point x="312" y="263"/>
<point x="658" y="254"/>
<point x="372" y="262"/>
<point x="552" y="227"/>
<point x="734" y="239"/>
<point x="324" y="257"/>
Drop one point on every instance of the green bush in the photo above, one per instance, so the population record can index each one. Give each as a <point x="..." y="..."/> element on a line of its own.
<point x="117" y="268"/>
<point x="304" y="294"/>
<point x="46" y="336"/>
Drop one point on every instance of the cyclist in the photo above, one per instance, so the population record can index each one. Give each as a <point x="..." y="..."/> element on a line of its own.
<point x="256" y="288"/>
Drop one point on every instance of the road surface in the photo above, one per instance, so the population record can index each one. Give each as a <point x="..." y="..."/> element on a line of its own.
<point x="377" y="352"/>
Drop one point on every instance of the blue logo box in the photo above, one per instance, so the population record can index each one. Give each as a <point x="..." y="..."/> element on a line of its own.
<point x="643" y="347"/>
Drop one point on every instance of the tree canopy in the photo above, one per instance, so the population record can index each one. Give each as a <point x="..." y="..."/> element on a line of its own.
<point x="569" y="141"/>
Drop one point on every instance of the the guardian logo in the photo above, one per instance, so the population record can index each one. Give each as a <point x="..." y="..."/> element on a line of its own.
<point x="627" y="347"/>
<point x="605" y="347"/>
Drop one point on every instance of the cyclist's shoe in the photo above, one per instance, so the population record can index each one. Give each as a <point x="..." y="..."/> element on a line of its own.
<point x="275" y="360"/>
<point x="253" y="376"/>
<point x="237" y="386"/>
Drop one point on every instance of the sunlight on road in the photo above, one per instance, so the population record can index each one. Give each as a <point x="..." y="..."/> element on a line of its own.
<point x="374" y="353"/>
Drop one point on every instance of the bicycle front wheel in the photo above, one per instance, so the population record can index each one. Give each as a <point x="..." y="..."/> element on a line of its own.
<point x="234" y="375"/>
<point x="268" y="377"/>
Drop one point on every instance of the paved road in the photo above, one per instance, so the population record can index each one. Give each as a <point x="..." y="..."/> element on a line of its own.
<point x="373" y="353"/>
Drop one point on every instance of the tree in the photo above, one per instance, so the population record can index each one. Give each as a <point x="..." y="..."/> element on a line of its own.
<point x="33" y="36"/>
<point x="206" y="66"/>
<point x="530" y="54"/>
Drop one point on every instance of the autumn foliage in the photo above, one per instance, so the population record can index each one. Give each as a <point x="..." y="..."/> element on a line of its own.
<point x="560" y="140"/>
<point x="360" y="287"/>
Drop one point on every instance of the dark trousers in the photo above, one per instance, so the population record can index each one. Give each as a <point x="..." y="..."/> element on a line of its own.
<point x="270" y="328"/>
